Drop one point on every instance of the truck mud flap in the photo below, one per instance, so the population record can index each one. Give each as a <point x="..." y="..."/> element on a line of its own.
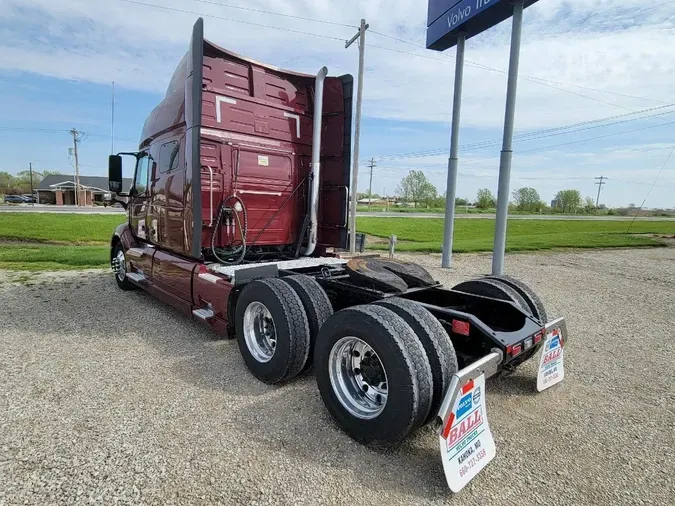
<point x="465" y="439"/>
<point x="551" y="369"/>
<point x="464" y="436"/>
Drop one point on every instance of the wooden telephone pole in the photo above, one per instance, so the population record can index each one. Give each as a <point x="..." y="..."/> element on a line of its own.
<point x="599" y="183"/>
<point x="76" y="139"/>
<point x="370" y="186"/>
<point x="361" y="37"/>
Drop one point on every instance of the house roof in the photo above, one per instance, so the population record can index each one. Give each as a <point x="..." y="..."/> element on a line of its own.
<point x="101" y="182"/>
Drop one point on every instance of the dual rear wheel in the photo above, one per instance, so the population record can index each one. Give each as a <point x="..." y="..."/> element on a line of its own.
<point x="382" y="369"/>
<point x="276" y="322"/>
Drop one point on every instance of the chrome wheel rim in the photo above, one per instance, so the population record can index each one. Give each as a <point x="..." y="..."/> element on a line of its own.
<point x="120" y="265"/>
<point x="358" y="378"/>
<point x="260" y="333"/>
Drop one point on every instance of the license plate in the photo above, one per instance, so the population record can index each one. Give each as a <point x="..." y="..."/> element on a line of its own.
<point x="551" y="368"/>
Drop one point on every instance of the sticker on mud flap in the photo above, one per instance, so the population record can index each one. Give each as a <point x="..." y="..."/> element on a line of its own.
<point x="466" y="441"/>
<point x="551" y="370"/>
<point x="263" y="160"/>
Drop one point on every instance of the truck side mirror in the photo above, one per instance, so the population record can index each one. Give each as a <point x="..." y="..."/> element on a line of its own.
<point x="115" y="173"/>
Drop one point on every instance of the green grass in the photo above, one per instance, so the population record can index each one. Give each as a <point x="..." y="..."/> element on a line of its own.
<point x="59" y="228"/>
<point x="74" y="241"/>
<point x="41" y="257"/>
<point x="426" y="235"/>
<point x="56" y="241"/>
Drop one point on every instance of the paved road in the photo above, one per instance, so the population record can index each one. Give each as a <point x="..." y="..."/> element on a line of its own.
<point x="556" y="217"/>
<point x="27" y="208"/>
<point x="43" y="208"/>
<point x="111" y="397"/>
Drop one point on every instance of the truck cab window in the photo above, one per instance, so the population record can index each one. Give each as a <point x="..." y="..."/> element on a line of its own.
<point x="168" y="156"/>
<point x="141" y="179"/>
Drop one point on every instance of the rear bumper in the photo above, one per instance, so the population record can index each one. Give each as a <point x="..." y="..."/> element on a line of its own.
<point x="488" y="365"/>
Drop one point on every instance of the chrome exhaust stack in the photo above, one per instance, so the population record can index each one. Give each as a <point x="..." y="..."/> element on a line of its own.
<point x="315" y="171"/>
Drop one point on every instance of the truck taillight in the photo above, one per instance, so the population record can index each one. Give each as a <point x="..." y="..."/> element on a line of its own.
<point x="460" y="327"/>
<point x="514" y="350"/>
<point x="538" y="337"/>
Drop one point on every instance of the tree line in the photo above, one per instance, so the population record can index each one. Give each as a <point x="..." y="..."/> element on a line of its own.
<point x="417" y="190"/>
<point x="20" y="184"/>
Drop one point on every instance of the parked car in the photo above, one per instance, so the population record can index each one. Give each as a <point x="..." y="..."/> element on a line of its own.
<point x="14" y="199"/>
<point x="29" y="198"/>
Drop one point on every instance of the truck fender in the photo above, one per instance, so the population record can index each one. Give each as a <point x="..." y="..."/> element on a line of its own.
<point x="122" y="234"/>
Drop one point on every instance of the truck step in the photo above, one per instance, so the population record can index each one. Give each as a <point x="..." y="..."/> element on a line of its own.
<point x="136" y="277"/>
<point x="135" y="252"/>
<point x="204" y="314"/>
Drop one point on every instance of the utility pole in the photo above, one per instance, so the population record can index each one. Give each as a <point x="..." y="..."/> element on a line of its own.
<point x="361" y="36"/>
<point x="599" y="183"/>
<point x="76" y="138"/>
<point x="30" y="174"/>
<point x="370" y="187"/>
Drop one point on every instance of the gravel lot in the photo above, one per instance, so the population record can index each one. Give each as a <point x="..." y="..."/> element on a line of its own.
<point x="111" y="398"/>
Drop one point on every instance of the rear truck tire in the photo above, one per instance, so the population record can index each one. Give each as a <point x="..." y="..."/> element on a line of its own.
<point x="373" y="374"/>
<point x="535" y="304"/>
<point x="317" y="306"/>
<point x="494" y="288"/>
<point x="436" y="343"/>
<point x="118" y="263"/>
<point x="272" y="330"/>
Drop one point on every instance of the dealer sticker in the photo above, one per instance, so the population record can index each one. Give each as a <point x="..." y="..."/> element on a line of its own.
<point x="551" y="370"/>
<point x="466" y="441"/>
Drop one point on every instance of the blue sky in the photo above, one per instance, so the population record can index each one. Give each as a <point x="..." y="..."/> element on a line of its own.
<point x="582" y="61"/>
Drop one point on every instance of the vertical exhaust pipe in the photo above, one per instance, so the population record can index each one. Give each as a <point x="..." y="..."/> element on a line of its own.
<point x="315" y="171"/>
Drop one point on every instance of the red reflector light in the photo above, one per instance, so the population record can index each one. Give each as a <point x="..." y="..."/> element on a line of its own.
<point x="516" y="350"/>
<point x="509" y="349"/>
<point x="460" y="327"/>
<point x="538" y="337"/>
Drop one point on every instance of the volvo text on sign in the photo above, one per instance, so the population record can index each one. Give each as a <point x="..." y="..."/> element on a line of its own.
<point x="446" y="19"/>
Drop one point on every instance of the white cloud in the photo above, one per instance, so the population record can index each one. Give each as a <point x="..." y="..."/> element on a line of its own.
<point x="621" y="46"/>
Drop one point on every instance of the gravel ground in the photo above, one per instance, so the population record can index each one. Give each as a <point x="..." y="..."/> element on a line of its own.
<point x="112" y="398"/>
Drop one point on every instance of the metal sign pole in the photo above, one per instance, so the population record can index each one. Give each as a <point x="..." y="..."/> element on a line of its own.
<point x="451" y="188"/>
<point x="507" y="145"/>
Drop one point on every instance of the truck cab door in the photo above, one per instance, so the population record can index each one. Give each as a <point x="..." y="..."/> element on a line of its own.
<point x="140" y="257"/>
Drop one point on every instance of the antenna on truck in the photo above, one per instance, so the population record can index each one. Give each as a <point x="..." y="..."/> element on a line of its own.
<point x="112" y="120"/>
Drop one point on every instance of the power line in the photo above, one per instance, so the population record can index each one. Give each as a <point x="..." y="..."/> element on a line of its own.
<point x="58" y="131"/>
<point x="526" y="77"/>
<point x="535" y="80"/>
<point x="538" y="134"/>
<point x="262" y="11"/>
<point x="474" y="64"/>
<point x="543" y="148"/>
<point x="651" y="188"/>
<point x="174" y="9"/>
<point x="20" y="129"/>
<point x="625" y="181"/>
<point x="531" y="78"/>
<point x="599" y="137"/>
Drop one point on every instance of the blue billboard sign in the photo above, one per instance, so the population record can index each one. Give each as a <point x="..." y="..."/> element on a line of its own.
<point x="446" y="19"/>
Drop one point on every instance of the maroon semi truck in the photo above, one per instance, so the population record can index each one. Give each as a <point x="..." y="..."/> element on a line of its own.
<point x="236" y="217"/>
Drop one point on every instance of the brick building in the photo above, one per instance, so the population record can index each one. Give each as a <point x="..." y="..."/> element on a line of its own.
<point x="60" y="189"/>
